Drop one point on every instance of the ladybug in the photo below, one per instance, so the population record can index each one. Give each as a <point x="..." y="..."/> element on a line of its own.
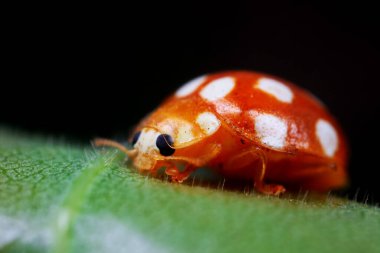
<point x="243" y="125"/>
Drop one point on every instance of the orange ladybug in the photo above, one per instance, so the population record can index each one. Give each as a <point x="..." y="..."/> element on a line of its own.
<point x="243" y="125"/>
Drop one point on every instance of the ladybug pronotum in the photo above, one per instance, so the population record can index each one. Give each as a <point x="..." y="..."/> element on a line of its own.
<point x="243" y="125"/>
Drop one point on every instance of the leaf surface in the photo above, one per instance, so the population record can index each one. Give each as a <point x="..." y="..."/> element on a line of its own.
<point x="56" y="197"/>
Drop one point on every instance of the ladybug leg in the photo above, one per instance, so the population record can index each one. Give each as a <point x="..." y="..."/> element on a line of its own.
<point x="211" y="152"/>
<point x="182" y="176"/>
<point x="179" y="176"/>
<point x="246" y="159"/>
<point x="171" y="170"/>
<point x="259" y="174"/>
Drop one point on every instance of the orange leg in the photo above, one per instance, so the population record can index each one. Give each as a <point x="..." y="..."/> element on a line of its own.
<point x="210" y="152"/>
<point x="259" y="174"/>
<point x="258" y="171"/>
<point x="177" y="176"/>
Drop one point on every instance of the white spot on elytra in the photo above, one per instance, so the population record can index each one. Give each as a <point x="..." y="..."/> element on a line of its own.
<point x="190" y="86"/>
<point x="185" y="134"/>
<point x="225" y="107"/>
<point x="327" y="136"/>
<point x="270" y="129"/>
<point x="181" y="130"/>
<point x="147" y="140"/>
<point x="297" y="137"/>
<point x="208" y="122"/>
<point x="275" y="88"/>
<point x="218" y="88"/>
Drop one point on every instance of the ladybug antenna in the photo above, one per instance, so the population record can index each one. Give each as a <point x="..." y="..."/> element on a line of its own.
<point x="98" y="142"/>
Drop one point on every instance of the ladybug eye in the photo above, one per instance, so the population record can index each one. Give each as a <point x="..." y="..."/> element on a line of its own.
<point x="136" y="137"/>
<point x="164" y="143"/>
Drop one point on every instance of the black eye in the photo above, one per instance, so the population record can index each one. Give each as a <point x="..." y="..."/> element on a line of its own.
<point x="164" y="143"/>
<point x="136" y="138"/>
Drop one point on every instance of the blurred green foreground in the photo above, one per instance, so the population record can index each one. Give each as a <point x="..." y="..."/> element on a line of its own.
<point x="56" y="197"/>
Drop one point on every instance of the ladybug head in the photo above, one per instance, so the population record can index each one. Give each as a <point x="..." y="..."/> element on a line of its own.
<point x="150" y="145"/>
<point x="169" y="139"/>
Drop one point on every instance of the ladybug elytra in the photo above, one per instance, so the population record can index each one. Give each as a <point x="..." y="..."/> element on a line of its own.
<point x="254" y="125"/>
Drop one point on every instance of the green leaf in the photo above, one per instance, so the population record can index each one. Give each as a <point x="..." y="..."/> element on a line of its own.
<point x="57" y="197"/>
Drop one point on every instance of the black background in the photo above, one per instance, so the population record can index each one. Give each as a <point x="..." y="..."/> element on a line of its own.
<point x="85" y="71"/>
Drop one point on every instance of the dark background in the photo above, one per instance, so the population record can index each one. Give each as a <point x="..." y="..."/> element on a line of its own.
<point x="85" y="71"/>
